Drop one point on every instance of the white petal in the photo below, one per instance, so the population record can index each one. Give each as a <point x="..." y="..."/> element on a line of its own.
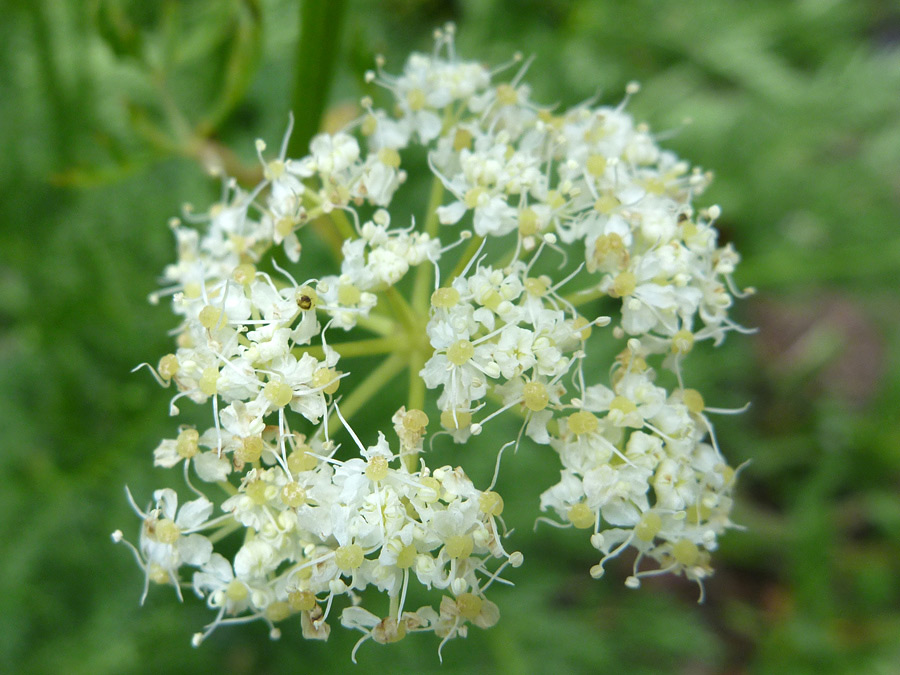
<point x="451" y="213"/>
<point x="195" y="549"/>
<point x="194" y="513"/>
<point x="166" y="455"/>
<point x="167" y="501"/>
<point x="210" y="467"/>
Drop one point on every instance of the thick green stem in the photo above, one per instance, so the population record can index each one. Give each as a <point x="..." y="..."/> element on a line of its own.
<point x="320" y="30"/>
<point x="368" y="388"/>
<point x="423" y="272"/>
<point x="324" y="227"/>
<point x="582" y="297"/>
<point x="401" y="309"/>
<point x="353" y="348"/>
<point x="340" y="220"/>
<point x="375" y="323"/>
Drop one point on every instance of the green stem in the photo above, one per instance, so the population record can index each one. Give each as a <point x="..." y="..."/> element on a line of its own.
<point x="368" y="347"/>
<point x="401" y="309"/>
<point x="331" y="237"/>
<point x="470" y="251"/>
<point x="320" y="29"/>
<point x="224" y="531"/>
<point x="368" y="388"/>
<point x="435" y="197"/>
<point x="583" y="297"/>
<point x="340" y="220"/>
<point x="375" y="323"/>
<point x="416" y="383"/>
<point x="423" y="272"/>
<point x="228" y="487"/>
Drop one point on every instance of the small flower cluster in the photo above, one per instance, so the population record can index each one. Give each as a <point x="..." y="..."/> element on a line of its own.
<point x="640" y="464"/>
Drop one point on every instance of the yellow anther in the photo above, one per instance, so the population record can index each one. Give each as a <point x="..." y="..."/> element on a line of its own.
<point x="682" y="341"/>
<point x="158" y="574"/>
<point x="623" y="406"/>
<point x="415" y="420"/>
<point x="460" y="419"/>
<point x="430" y="491"/>
<point x="208" y="380"/>
<point x="535" y="396"/>
<point x="369" y="125"/>
<point x="348" y="295"/>
<point x="609" y="252"/>
<point x="300" y="460"/>
<point x="581" y="516"/>
<point x="278" y="392"/>
<point x="460" y="352"/>
<point x="406" y="557"/>
<point x="555" y="200"/>
<point x="654" y="186"/>
<point x="192" y="290"/>
<point x="307" y="298"/>
<point x="274" y="170"/>
<point x="302" y="601"/>
<point x="278" y="611"/>
<point x="469" y="606"/>
<point x="257" y="491"/>
<point x="328" y="379"/>
<point x="582" y="422"/>
<point x="389" y="157"/>
<point x="210" y="316"/>
<point x="727" y="473"/>
<point x="444" y="298"/>
<point x="168" y="366"/>
<point x="506" y="94"/>
<point x="348" y="557"/>
<point x="698" y="514"/>
<point x="284" y="226"/>
<point x="186" y="443"/>
<point x="490" y="503"/>
<point x="459" y="546"/>
<point x="685" y="552"/>
<point x="293" y="495"/>
<point x="416" y="99"/>
<point x="250" y="449"/>
<point x="236" y="591"/>
<point x="472" y="197"/>
<point x="244" y="274"/>
<point x="648" y="527"/>
<point x="491" y="299"/>
<point x="623" y="285"/>
<point x="606" y="204"/>
<point x="377" y="468"/>
<point x="596" y="165"/>
<point x="528" y="222"/>
<point x="462" y="140"/>
<point x="535" y="287"/>
<point x="582" y="327"/>
<point x="166" y="531"/>
<point x="689" y="230"/>
<point x="629" y="361"/>
<point x="693" y="400"/>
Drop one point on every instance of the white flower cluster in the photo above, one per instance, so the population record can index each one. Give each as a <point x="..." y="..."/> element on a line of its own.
<point x="515" y="183"/>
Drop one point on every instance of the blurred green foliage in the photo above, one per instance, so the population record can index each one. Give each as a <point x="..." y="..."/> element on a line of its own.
<point x="110" y="110"/>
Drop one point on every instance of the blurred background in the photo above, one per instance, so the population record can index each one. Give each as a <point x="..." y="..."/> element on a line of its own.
<point x="109" y="110"/>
